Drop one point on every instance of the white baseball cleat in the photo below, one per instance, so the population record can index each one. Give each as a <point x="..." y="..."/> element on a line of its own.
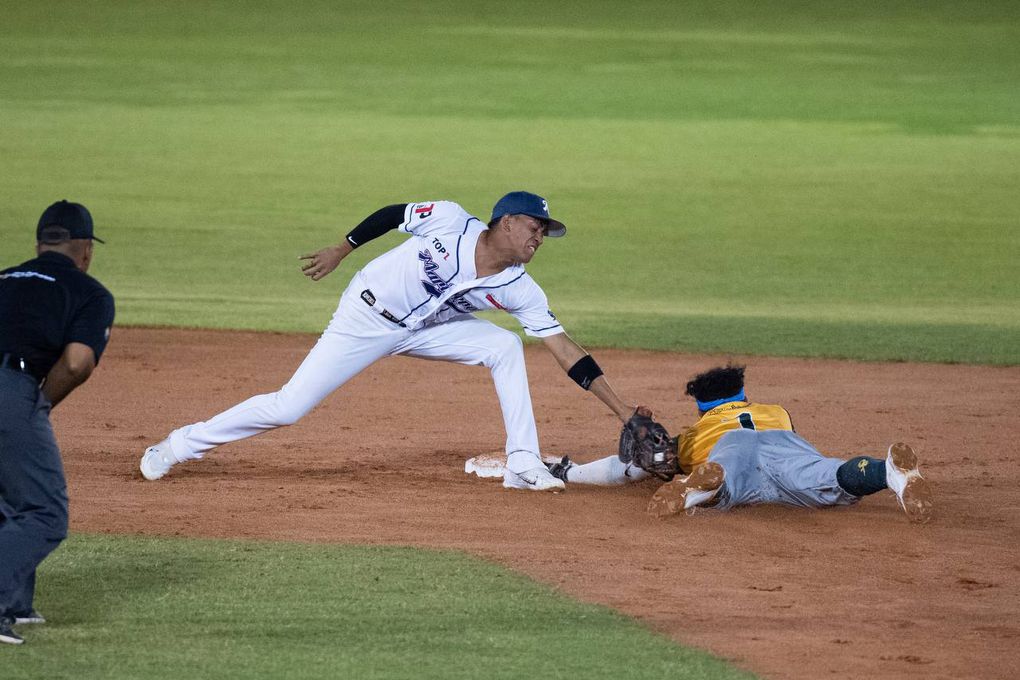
<point x="535" y="479"/>
<point x="684" y="493"/>
<point x="157" y="460"/>
<point x="911" y="489"/>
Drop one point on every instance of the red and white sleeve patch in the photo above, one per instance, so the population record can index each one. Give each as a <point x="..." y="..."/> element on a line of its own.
<point x="488" y="296"/>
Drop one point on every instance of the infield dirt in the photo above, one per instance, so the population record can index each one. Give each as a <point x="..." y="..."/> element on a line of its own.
<point x="838" y="593"/>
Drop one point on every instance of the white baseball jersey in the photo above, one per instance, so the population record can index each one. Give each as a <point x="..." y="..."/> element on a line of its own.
<point x="431" y="278"/>
<point x="414" y="288"/>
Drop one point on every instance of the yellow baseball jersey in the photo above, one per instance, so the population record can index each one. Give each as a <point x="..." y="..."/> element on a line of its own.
<point x="696" y="442"/>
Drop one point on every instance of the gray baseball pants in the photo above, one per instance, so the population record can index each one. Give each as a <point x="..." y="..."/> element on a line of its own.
<point x="776" y="466"/>
<point x="33" y="493"/>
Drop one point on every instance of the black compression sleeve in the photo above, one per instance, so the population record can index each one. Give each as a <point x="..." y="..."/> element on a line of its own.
<point x="584" y="371"/>
<point x="377" y="224"/>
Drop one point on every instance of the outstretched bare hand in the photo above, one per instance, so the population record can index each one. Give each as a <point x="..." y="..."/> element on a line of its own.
<point x="322" y="262"/>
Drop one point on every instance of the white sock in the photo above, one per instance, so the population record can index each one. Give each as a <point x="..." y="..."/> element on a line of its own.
<point x="608" y="471"/>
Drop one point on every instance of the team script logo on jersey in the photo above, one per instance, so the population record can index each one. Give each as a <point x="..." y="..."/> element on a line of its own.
<point x="423" y="210"/>
<point x="435" y="284"/>
<point x="461" y="304"/>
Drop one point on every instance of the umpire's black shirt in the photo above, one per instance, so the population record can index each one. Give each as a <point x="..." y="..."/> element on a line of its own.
<point x="47" y="303"/>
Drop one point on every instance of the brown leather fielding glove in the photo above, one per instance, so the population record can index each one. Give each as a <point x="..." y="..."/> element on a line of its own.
<point x="646" y="444"/>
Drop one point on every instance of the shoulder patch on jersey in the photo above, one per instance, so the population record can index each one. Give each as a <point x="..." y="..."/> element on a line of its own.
<point x="423" y="210"/>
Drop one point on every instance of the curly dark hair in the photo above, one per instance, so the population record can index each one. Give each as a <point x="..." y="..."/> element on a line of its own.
<point x="717" y="383"/>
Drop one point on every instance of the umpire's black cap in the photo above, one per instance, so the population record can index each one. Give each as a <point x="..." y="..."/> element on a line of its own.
<point x="64" y="220"/>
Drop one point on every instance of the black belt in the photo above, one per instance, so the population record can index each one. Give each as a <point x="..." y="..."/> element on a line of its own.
<point x="13" y="362"/>
<point x="370" y="300"/>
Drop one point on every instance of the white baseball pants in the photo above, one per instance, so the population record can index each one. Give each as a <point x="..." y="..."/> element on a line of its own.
<point x="357" y="337"/>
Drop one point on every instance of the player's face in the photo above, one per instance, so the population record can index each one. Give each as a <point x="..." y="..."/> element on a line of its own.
<point x="526" y="234"/>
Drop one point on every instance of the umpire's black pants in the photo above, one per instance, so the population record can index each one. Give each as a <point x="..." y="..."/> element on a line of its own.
<point x="33" y="493"/>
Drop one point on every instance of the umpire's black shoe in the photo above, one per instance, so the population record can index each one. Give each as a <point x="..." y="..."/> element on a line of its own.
<point x="7" y="635"/>
<point x="31" y="616"/>
<point x="559" y="470"/>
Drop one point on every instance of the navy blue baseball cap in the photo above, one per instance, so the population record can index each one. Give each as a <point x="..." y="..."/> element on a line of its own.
<point x="64" y="220"/>
<point x="524" y="203"/>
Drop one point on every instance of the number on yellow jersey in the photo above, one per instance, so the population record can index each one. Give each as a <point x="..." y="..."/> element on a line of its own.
<point x="696" y="442"/>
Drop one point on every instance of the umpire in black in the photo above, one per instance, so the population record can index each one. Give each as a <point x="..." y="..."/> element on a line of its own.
<point x="54" y="325"/>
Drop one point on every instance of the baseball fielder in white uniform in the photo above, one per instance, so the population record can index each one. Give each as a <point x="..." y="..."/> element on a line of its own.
<point x="417" y="300"/>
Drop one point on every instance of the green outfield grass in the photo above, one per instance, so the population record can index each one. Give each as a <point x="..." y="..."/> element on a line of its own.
<point x="171" y="608"/>
<point x="762" y="177"/>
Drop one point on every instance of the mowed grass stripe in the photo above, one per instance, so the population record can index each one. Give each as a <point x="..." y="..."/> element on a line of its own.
<point x="792" y="246"/>
<point x="122" y="607"/>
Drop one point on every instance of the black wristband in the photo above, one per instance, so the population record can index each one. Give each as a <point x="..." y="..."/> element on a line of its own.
<point x="584" y="371"/>
<point x="377" y="224"/>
